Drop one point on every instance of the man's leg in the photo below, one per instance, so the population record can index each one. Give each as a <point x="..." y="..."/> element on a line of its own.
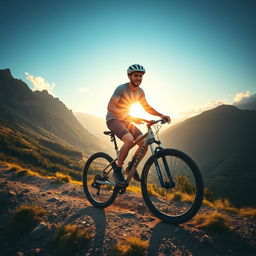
<point x="128" y="142"/>
<point x="139" y="148"/>
<point x="136" y="176"/>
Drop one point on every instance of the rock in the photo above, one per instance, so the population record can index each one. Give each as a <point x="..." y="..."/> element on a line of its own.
<point x="43" y="194"/>
<point x="206" y="240"/>
<point x="40" y="231"/>
<point x="20" y="254"/>
<point x="128" y="215"/>
<point x="149" y="219"/>
<point x="53" y="199"/>
<point x="25" y="191"/>
<point x="12" y="193"/>
<point x="143" y="237"/>
<point x="64" y="192"/>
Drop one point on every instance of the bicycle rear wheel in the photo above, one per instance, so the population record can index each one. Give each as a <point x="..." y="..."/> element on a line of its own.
<point x="98" y="184"/>
<point x="179" y="199"/>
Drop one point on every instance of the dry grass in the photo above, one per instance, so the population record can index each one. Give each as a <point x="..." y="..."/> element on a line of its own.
<point x="247" y="212"/>
<point x="213" y="221"/>
<point x="222" y="204"/>
<point x="132" y="246"/>
<point x="61" y="178"/>
<point x="135" y="189"/>
<point x="24" y="219"/>
<point x="70" y="239"/>
<point x="57" y="178"/>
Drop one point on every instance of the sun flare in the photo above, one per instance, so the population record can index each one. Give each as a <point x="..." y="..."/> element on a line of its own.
<point x="137" y="110"/>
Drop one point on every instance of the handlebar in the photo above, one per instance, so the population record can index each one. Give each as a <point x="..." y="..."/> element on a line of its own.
<point x="152" y="122"/>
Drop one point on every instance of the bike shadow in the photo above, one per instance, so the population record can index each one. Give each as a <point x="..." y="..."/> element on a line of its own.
<point x="177" y="238"/>
<point x="174" y="237"/>
<point x="100" y="223"/>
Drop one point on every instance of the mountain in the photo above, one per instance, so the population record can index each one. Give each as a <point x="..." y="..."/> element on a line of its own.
<point x="96" y="126"/>
<point x="43" y="110"/>
<point x="223" y="143"/>
<point x="38" y="129"/>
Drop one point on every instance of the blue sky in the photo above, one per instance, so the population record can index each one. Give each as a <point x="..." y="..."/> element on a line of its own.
<point x="195" y="52"/>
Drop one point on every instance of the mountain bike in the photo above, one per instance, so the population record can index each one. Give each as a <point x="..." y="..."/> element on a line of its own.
<point x="171" y="182"/>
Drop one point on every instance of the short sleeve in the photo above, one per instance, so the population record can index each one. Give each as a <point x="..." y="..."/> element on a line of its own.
<point x="117" y="93"/>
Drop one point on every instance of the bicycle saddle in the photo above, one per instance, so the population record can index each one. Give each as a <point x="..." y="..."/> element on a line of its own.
<point x="108" y="133"/>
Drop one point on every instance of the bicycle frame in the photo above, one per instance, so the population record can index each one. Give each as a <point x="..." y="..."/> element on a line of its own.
<point x="149" y="140"/>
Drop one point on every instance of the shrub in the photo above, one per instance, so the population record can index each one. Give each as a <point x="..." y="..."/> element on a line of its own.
<point x="69" y="239"/>
<point x="24" y="219"/>
<point x="214" y="222"/>
<point x="208" y="195"/>
<point x="131" y="247"/>
<point x="61" y="178"/>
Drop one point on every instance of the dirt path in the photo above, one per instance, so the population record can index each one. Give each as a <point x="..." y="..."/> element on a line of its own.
<point x="127" y="217"/>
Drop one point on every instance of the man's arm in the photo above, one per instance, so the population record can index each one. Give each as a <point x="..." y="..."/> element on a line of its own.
<point x="112" y="107"/>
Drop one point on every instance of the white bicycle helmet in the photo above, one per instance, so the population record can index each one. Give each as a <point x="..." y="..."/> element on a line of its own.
<point x="135" y="68"/>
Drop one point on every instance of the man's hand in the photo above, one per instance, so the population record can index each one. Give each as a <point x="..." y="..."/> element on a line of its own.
<point x="167" y="118"/>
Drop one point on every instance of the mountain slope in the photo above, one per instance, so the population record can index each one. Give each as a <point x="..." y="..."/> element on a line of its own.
<point x="38" y="131"/>
<point x="222" y="141"/>
<point x="44" y="111"/>
<point x="96" y="125"/>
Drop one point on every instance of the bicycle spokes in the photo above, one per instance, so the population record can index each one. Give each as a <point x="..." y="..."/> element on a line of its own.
<point x="99" y="180"/>
<point x="171" y="185"/>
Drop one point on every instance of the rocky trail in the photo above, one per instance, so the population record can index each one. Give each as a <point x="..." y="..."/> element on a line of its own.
<point x="127" y="217"/>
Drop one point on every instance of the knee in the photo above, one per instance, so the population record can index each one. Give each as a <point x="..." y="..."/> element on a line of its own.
<point x="128" y="140"/>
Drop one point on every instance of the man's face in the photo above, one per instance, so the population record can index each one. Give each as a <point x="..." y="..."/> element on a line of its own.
<point x="136" y="78"/>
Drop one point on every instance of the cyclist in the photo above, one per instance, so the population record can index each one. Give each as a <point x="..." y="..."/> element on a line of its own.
<point x="119" y="120"/>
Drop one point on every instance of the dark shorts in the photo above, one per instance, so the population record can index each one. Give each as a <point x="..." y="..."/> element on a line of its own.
<point x="121" y="128"/>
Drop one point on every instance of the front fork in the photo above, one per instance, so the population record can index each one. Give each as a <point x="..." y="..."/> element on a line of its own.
<point x="164" y="184"/>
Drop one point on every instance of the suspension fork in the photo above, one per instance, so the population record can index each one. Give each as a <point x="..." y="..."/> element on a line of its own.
<point x="158" y="170"/>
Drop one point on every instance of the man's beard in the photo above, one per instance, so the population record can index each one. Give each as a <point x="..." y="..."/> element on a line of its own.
<point x="135" y="85"/>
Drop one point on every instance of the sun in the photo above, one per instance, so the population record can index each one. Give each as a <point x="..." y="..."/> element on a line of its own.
<point x="137" y="110"/>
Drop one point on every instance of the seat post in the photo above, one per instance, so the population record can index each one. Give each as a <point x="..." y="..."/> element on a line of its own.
<point x="113" y="138"/>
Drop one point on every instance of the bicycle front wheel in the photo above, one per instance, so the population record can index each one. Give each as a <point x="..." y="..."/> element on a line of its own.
<point x="174" y="195"/>
<point x="98" y="183"/>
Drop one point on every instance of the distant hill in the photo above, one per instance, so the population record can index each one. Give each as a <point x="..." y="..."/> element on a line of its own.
<point x="37" y="128"/>
<point x="96" y="126"/>
<point x="223" y="143"/>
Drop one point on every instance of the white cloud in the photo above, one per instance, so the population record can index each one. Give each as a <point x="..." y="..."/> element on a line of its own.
<point x="83" y="89"/>
<point x="241" y="95"/>
<point x="40" y="84"/>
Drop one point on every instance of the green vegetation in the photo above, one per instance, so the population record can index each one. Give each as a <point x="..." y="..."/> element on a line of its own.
<point x="24" y="219"/>
<point x="132" y="246"/>
<point x="31" y="153"/>
<point x="70" y="239"/>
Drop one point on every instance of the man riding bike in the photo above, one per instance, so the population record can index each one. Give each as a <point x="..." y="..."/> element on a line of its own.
<point x="119" y="120"/>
